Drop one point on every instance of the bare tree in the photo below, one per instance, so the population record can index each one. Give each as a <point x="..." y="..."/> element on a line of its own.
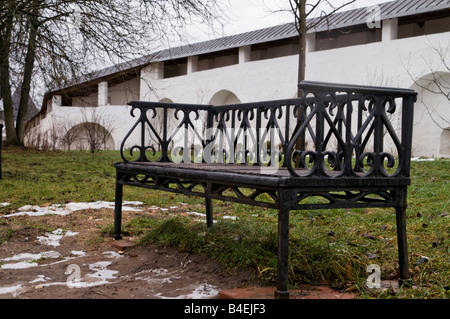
<point x="34" y="139"/>
<point x="58" y="40"/>
<point x="97" y="128"/>
<point x="54" y="135"/>
<point x="108" y="125"/>
<point x="302" y="10"/>
<point x="68" y="133"/>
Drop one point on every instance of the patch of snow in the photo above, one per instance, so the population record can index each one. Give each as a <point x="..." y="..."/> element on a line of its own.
<point x="157" y="272"/>
<point x="101" y="272"/>
<point x="5" y="204"/>
<point x="65" y="209"/>
<point x="78" y="253"/>
<point x="153" y="207"/>
<point x="230" y="217"/>
<point x="204" y="291"/>
<point x="102" y="204"/>
<point x="420" y="159"/>
<point x="51" y="284"/>
<point x="39" y="278"/>
<point x="161" y="276"/>
<point x="20" y="265"/>
<point x="204" y="215"/>
<point x="26" y="260"/>
<point x="10" y="290"/>
<point x="53" y="238"/>
<point x="112" y="254"/>
<point x="99" y="277"/>
<point x="196" y="214"/>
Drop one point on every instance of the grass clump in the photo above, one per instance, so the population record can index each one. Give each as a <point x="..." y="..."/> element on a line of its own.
<point x="246" y="243"/>
<point x="173" y="232"/>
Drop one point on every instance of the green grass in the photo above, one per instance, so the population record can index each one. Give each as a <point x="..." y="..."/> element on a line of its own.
<point x="32" y="177"/>
<point x="35" y="178"/>
<point x="325" y="245"/>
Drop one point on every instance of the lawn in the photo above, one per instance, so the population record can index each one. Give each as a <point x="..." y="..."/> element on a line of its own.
<point x="335" y="246"/>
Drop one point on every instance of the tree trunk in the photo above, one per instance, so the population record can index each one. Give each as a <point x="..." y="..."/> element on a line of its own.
<point x="5" y="48"/>
<point x="28" y="72"/>
<point x="301" y="28"/>
<point x="300" y="24"/>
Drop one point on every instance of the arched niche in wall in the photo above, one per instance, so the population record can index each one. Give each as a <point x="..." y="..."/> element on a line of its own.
<point x="431" y="115"/>
<point x="158" y="125"/>
<point x="224" y="97"/>
<point x="444" y="144"/>
<point x="88" y="136"/>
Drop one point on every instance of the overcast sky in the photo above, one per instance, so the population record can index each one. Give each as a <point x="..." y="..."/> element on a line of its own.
<point x="247" y="15"/>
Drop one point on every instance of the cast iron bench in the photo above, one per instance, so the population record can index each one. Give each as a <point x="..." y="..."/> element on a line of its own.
<point x="338" y="146"/>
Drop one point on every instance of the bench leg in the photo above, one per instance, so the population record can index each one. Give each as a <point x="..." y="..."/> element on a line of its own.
<point x="402" y="245"/>
<point x="209" y="212"/>
<point x="283" y="250"/>
<point x="118" y="212"/>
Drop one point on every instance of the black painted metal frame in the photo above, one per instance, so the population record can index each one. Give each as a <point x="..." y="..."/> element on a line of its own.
<point x="338" y="146"/>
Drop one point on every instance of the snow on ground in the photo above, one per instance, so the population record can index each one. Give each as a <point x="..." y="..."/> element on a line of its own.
<point x="201" y="291"/>
<point x="98" y="272"/>
<point x="421" y="159"/>
<point x="65" y="209"/>
<point x="101" y="274"/>
<point x="53" y="238"/>
<point x="26" y="260"/>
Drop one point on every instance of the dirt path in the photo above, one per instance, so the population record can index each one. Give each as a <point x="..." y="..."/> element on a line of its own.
<point x="71" y="262"/>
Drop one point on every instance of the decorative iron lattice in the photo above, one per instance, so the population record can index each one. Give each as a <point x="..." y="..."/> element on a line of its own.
<point x="346" y="199"/>
<point x="331" y="131"/>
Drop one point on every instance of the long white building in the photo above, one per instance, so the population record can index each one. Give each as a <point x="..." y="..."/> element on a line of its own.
<point x="403" y="43"/>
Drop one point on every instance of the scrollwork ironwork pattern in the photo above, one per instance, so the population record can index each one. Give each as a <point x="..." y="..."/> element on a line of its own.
<point x="157" y="126"/>
<point x="331" y="131"/>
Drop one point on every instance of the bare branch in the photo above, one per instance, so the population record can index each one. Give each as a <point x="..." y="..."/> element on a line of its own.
<point x="69" y="37"/>
<point x="436" y="84"/>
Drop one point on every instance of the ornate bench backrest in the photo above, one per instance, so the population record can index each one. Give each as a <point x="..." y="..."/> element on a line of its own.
<point x="332" y="130"/>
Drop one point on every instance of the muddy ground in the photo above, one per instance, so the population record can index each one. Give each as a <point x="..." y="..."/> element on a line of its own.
<point x="56" y="253"/>
<point x="75" y="261"/>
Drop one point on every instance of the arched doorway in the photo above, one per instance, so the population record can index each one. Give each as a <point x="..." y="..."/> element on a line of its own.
<point x="431" y="115"/>
<point x="224" y="97"/>
<point x="158" y="125"/>
<point x="88" y="136"/>
<point x="445" y="143"/>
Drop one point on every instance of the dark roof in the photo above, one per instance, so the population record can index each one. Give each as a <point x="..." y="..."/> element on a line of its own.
<point x="388" y="10"/>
